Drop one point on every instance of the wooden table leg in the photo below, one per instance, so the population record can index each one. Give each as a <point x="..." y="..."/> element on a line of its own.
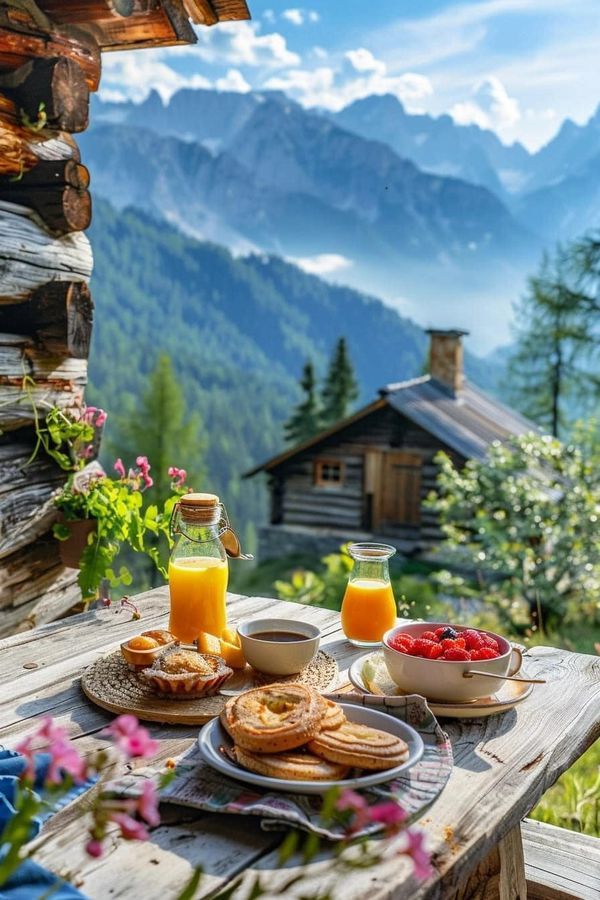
<point x="501" y="875"/>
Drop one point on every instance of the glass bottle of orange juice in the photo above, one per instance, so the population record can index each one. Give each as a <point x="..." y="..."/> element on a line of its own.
<point x="368" y="607"/>
<point x="198" y="568"/>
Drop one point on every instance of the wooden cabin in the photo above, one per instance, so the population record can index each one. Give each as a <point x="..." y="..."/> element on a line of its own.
<point x="50" y="62"/>
<point x="368" y="476"/>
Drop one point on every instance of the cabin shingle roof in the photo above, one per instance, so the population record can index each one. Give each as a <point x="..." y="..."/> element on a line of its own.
<point x="468" y="421"/>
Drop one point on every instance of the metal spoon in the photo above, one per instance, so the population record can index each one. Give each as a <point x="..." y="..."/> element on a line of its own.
<point x="472" y="672"/>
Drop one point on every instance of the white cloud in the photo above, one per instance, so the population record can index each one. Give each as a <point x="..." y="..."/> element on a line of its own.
<point x="241" y="44"/>
<point x="490" y="107"/>
<point x="320" y="53"/>
<point x="233" y="81"/>
<point x="322" y="264"/>
<point x="363" y="61"/>
<point x="295" y="16"/>
<point x="363" y="75"/>
<point x="269" y="16"/>
<point x="300" y="16"/>
<point x="134" y="74"/>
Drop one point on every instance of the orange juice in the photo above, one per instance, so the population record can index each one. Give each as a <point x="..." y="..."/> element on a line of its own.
<point x="198" y="585"/>
<point x="368" y="609"/>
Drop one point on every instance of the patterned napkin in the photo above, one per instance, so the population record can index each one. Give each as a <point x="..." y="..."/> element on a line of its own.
<point x="199" y="786"/>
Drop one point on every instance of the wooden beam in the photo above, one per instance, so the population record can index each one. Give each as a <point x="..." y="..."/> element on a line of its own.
<point x="19" y="47"/>
<point x="161" y="26"/>
<point x="62" y="208"/>
<point x="54" y="87"/>
<point x="201" y="12"/>
<point x="53" y="173"/>
<point x="84" y="11"/>
<point x="58" y="316"/>
<point x="30" y="257"/>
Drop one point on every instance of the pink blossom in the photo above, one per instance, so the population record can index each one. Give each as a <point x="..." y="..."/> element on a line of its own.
<point x="147" y="804"/>
<point x="53" y="740"/>
<point x="119" y="468"/>
<point x="131" y="738"/>
<point x="93" y="415"/>
<point x="144" y="465"/>
<point x="178" y="475"/>
<point x="148" y="482"/>
<point x="94" y="848"/>
<point x="131" y="829"/>
<point x="419" y="855"/>
<point x="350" y="801"/>
<point x="387" y="813"/>
<point x="87" y="451"/>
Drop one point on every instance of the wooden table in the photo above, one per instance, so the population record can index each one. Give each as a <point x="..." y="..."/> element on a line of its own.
<point x="503" y="765"/>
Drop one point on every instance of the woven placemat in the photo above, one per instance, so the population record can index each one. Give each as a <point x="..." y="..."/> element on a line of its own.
<point x="111" y="684"/>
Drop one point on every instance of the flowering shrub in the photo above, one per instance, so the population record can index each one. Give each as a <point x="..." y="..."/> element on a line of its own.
<point x="66" y="767"/>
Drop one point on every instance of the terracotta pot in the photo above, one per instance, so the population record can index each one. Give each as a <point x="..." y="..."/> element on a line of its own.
<point x="72" y="549"/>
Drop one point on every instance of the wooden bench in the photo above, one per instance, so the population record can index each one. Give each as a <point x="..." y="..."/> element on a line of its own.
<point x="560" y="864"/>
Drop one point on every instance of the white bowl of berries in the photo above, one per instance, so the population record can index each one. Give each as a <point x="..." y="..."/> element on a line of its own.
<point x="436" y="659"/>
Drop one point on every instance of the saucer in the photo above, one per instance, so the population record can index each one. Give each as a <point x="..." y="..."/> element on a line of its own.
<point x="380" y="683"/>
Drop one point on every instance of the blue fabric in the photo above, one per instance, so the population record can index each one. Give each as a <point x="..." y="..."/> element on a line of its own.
<point x="31" y="881"/>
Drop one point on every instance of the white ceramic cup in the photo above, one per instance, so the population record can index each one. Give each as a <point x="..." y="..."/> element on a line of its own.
<point x="275" y="657"/>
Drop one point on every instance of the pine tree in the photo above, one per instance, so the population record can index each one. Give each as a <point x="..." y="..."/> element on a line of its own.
<point x="304" y="421"/>
<point x="340" y="388"/>
<point x="553" y="340"/>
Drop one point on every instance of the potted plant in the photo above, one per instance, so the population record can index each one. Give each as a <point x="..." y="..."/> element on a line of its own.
<point x="100" y="513"/>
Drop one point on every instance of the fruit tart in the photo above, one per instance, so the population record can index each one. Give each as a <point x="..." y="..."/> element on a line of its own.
<point x="186" y="675"/>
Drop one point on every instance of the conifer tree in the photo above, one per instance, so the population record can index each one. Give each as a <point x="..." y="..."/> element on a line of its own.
<point x="304" y="421"/>
<point x="553" y="342"/>
<point x="340" y="388"/>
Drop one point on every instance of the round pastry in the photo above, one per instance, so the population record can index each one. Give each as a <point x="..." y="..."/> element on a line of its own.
<point x="184" y="674"/>
<point x="334" y="716"/>
<point x="293" y="765"/>
<point x="275" y="717"/>
<point x="361" y="746"/>
<point x="161" y="636"/>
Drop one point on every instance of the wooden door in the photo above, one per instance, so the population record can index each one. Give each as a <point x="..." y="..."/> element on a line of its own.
<point x="400" y="489"/>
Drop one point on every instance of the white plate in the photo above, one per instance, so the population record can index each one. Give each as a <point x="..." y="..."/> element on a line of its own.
<point x="213" y="738"/>
<point x="506" y="698"/>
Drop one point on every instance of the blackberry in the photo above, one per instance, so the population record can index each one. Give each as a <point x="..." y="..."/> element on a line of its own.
<point x="448" y="633"/>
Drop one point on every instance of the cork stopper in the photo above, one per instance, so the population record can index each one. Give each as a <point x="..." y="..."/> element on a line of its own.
<point x="201" y="508"/>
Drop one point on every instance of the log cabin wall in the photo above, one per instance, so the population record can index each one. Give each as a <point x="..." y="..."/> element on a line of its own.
<point x="50" y="62"/>
<point x="298" y="500"/>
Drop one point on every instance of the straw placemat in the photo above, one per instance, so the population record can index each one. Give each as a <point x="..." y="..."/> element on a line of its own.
<point x="111" y="684"/>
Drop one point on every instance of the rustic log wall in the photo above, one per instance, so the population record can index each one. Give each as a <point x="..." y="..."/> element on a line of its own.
<point x="50" y="61"/>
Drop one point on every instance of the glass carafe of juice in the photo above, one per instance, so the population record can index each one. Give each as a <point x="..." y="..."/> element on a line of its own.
<point x="198" y="568"/>
<point x="368" y="608"/>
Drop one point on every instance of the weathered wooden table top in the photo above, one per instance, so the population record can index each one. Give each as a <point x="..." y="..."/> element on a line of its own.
<point x="503" y="764"/>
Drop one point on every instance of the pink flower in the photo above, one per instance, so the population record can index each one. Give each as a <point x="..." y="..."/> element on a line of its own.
<point x="94" y="416"/>
<point x="178" y="475"/>
<point x="420" y="857"/>
<point x="131" y="738"/>
<point x="388" y="814"/>
<point x="119" y="468"/>
<point x="94" y="848"/>
<point x="131" y="829"/>
<point x="143" y="464"/>
<point x="148" y="482"/>
<point x="64" y="758"/>
<point x="147" y="804"/>
<point x="350" y="801"/>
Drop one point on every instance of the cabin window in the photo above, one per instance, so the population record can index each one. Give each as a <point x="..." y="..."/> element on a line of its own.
<point x="329" y="473"/>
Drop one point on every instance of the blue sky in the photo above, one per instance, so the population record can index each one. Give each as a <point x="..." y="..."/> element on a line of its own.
<point x="519" y="67"/>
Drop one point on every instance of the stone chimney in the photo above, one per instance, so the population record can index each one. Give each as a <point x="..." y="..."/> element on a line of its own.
<point x="446" y="357"/>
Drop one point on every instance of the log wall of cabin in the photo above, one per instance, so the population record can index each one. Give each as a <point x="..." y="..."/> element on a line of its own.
<point x="46" y="74"/>
<point x="297" y="500"/>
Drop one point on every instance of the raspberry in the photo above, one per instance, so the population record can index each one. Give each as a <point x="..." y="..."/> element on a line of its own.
<point x="490" y="642"/>
<point x="401" y="642"/>
<point x="422" y="647"/>
<point x="473" y="639"/>
<point x="435" y="651"/>
<point x="449" y="644"/>
<point x="456" y="654"/>
<point x="439" y="631"/>
<point x="429" y="636"/>
<point x="484" y="653"/>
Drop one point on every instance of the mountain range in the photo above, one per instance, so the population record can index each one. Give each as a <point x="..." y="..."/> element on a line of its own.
<point x="259" y="172"/>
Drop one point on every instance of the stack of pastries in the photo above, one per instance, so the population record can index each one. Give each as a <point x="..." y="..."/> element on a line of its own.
<point x="290" y="731"/>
